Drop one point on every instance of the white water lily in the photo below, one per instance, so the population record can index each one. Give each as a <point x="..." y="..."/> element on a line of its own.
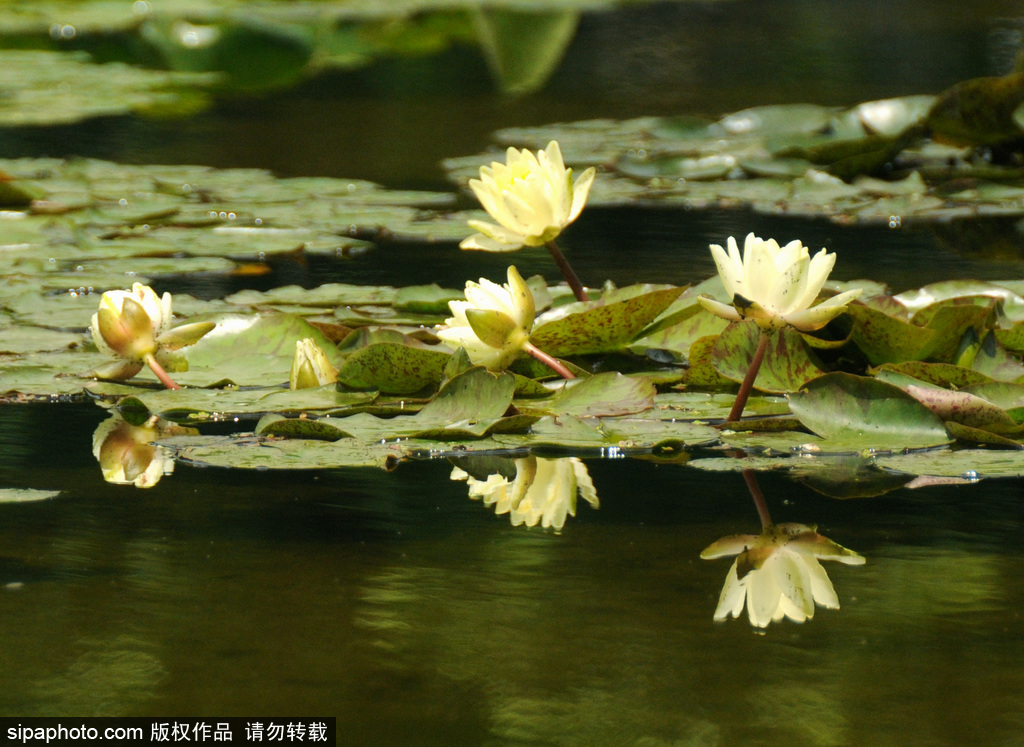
<point x="777" y="573"/>
<point x="310" y="367"/>
<point x="776" y="286"/>
<point x="493" y="324"/>
<point x="543" y="492"/>
<point x="532" y="197"/>
<point x="135" y="327"/>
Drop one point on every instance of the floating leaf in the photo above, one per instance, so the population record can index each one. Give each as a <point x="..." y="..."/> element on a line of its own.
<point x="786" y="366"/>
<point x="971" y="464"/>
<point x="600" y="326"/>
<point x="862" y="410"/>
<point x="979" y="111"/>
<point x="267" y="453"/>
<point x="689" y="326"/>
<point x="604" y="394"/>
<point x="885" y="339"/>
<point x="966" y="409"/>
<point x="250" y="349"/>
<point x="211" y="405"/>
<point x="393" y="368"/>
<point x="981" y="436"/>
<point x="945" y="375"/>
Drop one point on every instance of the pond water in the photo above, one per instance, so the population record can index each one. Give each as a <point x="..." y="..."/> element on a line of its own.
<point x="418" y="616"/>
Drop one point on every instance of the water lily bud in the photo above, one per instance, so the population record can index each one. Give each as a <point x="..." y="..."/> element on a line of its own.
<point x="776" y="286"/>
<point x="532" y="197"/>
<point x="310" y="367"/>
<point x="127" y="322"/>
<point x="134" y="326"/>
<point x="493" y="323"/>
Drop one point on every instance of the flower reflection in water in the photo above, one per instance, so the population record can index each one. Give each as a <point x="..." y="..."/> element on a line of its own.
<point x="126" y="452"/>
<point x="777" y="572"/>
<point x="543" y="491"/>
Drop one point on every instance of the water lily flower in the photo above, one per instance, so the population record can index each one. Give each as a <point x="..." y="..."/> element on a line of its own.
<point x="493" y="324"/>
<point x="532" y="197"/>
<point x="776" y="286"/>
<point x="543" y="492"/>
<point x="777" y="573"/>
<point x="135" y="327"/>
<point x="127" y="455"/>
<point x="310" y="367"/>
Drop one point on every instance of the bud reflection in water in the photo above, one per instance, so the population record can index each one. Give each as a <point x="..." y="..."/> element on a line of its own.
<point x="543" y="491"/>
<point x="127" y="454"/>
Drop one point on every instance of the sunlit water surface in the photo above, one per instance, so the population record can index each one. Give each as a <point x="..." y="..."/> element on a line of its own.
<point x="417" y="616"/>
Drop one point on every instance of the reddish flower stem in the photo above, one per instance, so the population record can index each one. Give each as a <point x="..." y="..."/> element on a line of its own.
<point x="550" y="361"/>
<point x="750" y="477"/>
<point x="161" y="374"/>
<point x="567" y="272"/>
<point x="748" y="381"/>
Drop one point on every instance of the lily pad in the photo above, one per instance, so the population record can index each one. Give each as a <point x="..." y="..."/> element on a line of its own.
<point x="787" y="364"/>
<point x="394" y="368"/>
<point x="602" y="395"/>
<point x="601" y="326"/>
<point x="861" y="410"/>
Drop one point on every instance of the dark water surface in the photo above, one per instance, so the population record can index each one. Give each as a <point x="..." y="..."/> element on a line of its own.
<point x="417" y="616"/>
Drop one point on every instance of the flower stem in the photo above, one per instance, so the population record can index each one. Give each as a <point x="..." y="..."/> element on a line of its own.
<point x="750" y="476"/>
<point x="161" y="374"/>
<point x="551" y="362"/>
<point x="748" y="381"/>
<point x="567" y="272"/>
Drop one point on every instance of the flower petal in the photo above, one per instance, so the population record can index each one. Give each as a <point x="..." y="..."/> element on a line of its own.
<point x="732" y="545"/>
<point x="818" y="316"/>
<point x="719" y="309"/>
<point x="734" y="593"/>
<point x="480" y="242"/>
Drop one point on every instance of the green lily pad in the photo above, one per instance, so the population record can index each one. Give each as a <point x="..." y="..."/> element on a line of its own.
<point x="965" y="408"/>
<point x="394" y="368"/>
<point x="945" y="375"/>
<point x="971" y="464"/>
<point x="269" y="453"/>
<point x="37" y="92"/>
<point x="255" y="349"/>
<point x="979" y="111"/>
<point x="602" y="395"/>
<point x="981" y="436"/>
<point x="787" y="364"/>
<point x="600" y="326"/>
<point x="213" y="405"/>
<point x="687" y="327"/>
<point x="993" y="360"/>
<point x="862" y="410"/>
